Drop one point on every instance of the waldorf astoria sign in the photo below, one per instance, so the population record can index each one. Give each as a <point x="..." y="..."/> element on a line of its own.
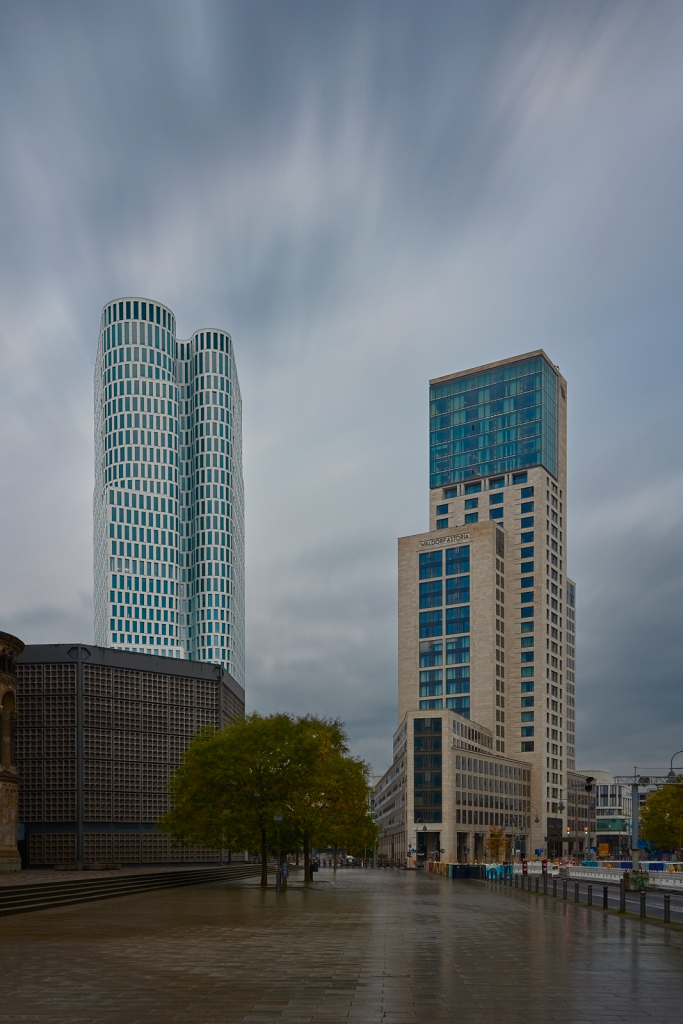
<point x="453" y="538"/>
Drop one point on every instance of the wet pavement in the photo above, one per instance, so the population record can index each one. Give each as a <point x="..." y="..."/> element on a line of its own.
<point x="361" y="946"/>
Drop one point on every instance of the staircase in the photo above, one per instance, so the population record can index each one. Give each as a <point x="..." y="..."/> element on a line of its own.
<point x="18" y="899"/>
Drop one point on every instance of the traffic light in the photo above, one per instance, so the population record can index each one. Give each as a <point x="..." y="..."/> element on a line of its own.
<point x="589" y="783"/>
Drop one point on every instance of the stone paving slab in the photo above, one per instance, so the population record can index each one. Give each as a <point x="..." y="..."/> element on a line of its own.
<point x="38" y="876"/>
<point x="357" y="947"/>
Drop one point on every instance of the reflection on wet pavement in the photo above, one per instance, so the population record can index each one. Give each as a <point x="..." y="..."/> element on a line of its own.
<point x="362" y="946"/>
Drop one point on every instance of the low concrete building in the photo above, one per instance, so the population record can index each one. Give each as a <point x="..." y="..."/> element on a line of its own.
<point x="10" y="648"/>
<point x="99" y="734"/>
<point x="612" y="813"/>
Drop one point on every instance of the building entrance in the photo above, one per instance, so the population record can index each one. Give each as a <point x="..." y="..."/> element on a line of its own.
<point x="428" y="846"/>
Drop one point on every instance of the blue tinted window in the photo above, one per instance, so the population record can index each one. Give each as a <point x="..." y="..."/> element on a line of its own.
<point x="527" y="655"/>
<point x="431" y="624"/>
<point x="442" y="524"/>
<point x="528" y="672"/>
<point x="458" y="680"/>
<point x="527" y="506"/>
<point x="527" y="492"/>
<point x="527" y="641"/>
<point x="431" y="594"/>
<point x="472" y="517"/>
<point x="472" y="488"/>
<point x="495" y="499"/>
<point x="527" y="730"/>
<point x="496" y="513"/>
<point x="431" y="564"/>
<point x="458" y="620"/>
<point x="442" y="510"/>
<point x="526" y="716"/>
<point x="527" y="566"/>
<point x="527" y="702"/>
<point x="527" y="688"/>
<point x="527" y="538"/>
<point x="528" y="613"/>
<point x="458" y="652"/>
<point x="529" y="521"/>
<point x="426" y="705"/>
<point x="526" y="581"/>
<point x="500" y="482"/>
<point x="431" y="654"/>
<point x="472" y="503"/>
<point x="527" y="553"/>
<point x="457" y="560"/>
<point x="527" y="746"/>
<point x="494" y="422"/>
<point x="459" y="704"/>
<point x="431" y="690"/>
<point x="457" y="590"/>
<point x="525" y="597"/>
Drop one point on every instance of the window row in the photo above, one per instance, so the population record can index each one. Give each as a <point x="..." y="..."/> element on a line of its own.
<point x="457" y="592"/>
<point x="457" y="561"/>
<point x="457" y="621"/>
<point x="134" y="309"/>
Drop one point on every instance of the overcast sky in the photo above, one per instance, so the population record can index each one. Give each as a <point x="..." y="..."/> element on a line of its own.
<point x="365" y="195"/>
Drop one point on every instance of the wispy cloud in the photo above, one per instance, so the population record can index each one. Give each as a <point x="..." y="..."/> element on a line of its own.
<point x="365" y="196"/>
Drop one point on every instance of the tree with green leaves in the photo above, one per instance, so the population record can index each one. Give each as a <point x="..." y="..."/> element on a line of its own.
<point x="330" y="808"/>
<point x="232" y="783"/>
<point x="661" y="820"/>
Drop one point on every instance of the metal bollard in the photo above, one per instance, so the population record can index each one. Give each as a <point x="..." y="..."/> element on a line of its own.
<point x="537" y="881"/>
<point x="564" y="888"/>
<point x="622" y="896"/>
<point x="590" y="895"/>
<point x="554" y="886"/>
<point x="667" y="908"/>
<point x="528" y="882"/>
<point x="642" y="903"/>
<point x="605" y="897"/>
<point x="516" y="881"/>
<point x="576" y="892"/>
<point x="545" y="882"/>
<point x="278" y="880"/>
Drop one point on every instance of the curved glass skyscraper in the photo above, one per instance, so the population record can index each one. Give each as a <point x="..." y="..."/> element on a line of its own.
<point x="168" y="505"/>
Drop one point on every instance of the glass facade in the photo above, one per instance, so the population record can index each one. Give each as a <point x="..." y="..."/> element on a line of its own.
<point x="494" y="422"/>
<point x="169" y="495"/>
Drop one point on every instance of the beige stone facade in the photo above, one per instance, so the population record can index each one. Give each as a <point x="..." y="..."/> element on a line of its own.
<point x="10" y="648"/>
<point x="486" y="612"/>
<point x="472" y="790"/>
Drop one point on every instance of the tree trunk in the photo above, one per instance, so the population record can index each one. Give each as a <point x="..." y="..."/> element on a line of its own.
<point x="307" y="860"/>
<point x="264" y="859"/>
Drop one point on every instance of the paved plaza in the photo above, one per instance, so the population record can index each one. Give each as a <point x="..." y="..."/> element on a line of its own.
<point x="358" y="946"/>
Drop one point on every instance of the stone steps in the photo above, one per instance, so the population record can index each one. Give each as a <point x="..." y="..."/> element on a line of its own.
<point x="18" y="899"/>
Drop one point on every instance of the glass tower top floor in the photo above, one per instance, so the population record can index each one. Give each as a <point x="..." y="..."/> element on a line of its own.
<point x="495" y="420"/>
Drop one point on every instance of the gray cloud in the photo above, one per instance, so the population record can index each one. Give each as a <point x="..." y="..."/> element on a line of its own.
<point x="365" y="195"/>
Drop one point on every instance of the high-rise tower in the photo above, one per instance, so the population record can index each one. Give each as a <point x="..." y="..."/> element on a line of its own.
<point x="486" y="626"/>
<point x="168" y="505"/>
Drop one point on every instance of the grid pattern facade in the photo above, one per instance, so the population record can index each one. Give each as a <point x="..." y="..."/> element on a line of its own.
<point x="99" y="735"/>
<point x="168" y="509"/>
<point x="492" y="422"/>
<point x="505" y="503"/>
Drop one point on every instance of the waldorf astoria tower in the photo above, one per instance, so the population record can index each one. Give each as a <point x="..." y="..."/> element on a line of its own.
<point x="168" y="504"/>
<point x="486" y="623"/>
